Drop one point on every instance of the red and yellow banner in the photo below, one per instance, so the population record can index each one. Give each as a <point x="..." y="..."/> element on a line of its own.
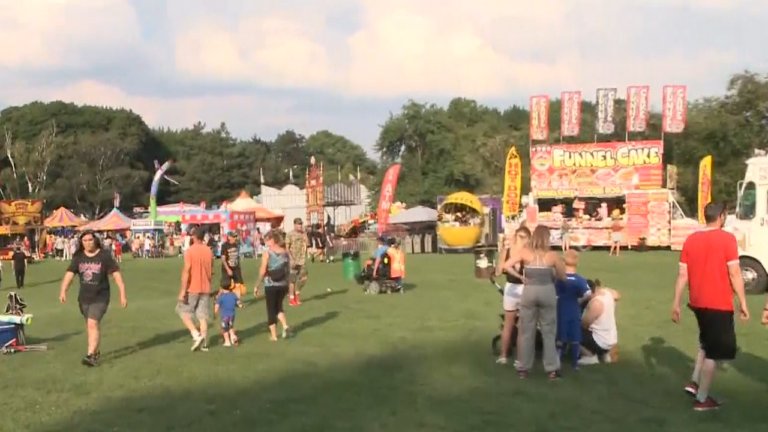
<point x="513" y="184"/>
<point x="539" y="127"/>
<point x="674" y="108"/>
<point x="599" y="169"/>
<point x="705" y="185"/>
<point x="570" y="113"/>
<point x="388" y="187"/>
<point x="638" y="103"/>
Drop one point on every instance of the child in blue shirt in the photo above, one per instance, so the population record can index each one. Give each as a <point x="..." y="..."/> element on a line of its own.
<point x="226" y="303"/>
<point x="571" y="292"/>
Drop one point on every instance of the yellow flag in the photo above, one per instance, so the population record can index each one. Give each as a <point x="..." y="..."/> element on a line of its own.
<point x="513" y="184"/>
<point x="705" y="185"/>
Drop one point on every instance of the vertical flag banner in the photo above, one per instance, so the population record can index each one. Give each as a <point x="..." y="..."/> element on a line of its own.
<point x="705" y="185"/>
<point x="638" y="102"/>
<point x="388" y="187"/>
<point x="675" y="108"/>
<point x="539" y="128"/>
<point x="513" y="184"/>
<point x="570" y="113"/>
<point x="606" y="98"/>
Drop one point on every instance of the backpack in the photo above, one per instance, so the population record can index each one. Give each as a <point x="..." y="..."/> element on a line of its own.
<point x="279" y="272"/>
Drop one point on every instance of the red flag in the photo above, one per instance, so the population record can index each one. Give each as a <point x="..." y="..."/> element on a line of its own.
<point x="638" y="101"/>
<point x="388" y="187"/>
<point x="675" y="108"/>
<point x="570" y="113"/>
<point x="539" y="128"/>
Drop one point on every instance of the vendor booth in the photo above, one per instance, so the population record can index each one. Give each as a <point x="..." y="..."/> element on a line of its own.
<point x="223" y="221"/>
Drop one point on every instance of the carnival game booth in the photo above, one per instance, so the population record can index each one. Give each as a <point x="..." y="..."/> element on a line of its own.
<point x="20" y="224"/>
<point x="264" y="218"/>
<point x="155" y="230"/>
<point x="585" y="188"/>
<point x="221" y="222"/>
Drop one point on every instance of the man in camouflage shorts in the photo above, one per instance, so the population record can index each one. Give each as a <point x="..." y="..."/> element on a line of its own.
<point x="296" y="243"/>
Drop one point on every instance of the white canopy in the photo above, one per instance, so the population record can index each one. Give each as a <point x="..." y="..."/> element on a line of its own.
<point x="414" y="215"/>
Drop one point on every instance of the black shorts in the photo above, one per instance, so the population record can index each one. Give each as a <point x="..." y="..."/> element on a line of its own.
<point x="717" y="333"/>
<point x="93" y="310"/>
<point x="228" y="281"/>
<point x="588" y="342"/>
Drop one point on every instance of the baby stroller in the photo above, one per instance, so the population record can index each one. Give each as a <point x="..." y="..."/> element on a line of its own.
<point x="382" y="283"/>
<point x="496" y="341"/>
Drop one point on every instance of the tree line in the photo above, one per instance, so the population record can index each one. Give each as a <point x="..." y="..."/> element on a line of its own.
<point x="80" y="156"/>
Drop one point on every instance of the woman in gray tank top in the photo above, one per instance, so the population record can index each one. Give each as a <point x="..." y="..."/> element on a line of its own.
<point x="538" y="304"/>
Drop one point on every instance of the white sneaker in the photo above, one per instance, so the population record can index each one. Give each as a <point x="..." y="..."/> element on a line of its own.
<point x="227" y="344"/>
<point x="588" y="360"/>
<point x="198" y="340"/>
<point x="501" y="360"/>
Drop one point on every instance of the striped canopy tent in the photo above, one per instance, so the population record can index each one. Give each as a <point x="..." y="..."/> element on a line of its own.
<point x="63" y="218"/>
<point x="244" y="203"/>
<point x="113" y="221"/>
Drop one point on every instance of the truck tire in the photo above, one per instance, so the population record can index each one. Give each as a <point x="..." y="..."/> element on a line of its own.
<point x="754" y="275"/>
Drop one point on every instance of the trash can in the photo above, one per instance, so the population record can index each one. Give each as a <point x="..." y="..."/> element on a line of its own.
<point x="350" y="262"/>
<point x="485" y="261"/>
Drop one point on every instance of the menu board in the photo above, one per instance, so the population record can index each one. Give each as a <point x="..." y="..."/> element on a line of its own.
<point x="648" y="215"/>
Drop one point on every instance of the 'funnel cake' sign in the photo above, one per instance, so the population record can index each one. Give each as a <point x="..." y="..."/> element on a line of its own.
<point x="599" y="169"/>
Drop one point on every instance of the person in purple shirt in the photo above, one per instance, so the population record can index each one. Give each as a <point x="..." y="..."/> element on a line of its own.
<point x="571" y="292"/>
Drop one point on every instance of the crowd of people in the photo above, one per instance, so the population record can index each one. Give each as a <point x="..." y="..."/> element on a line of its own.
<point x="545" y="294"/>
<point x="544" y="297"/>
<point x="282" y="274"/>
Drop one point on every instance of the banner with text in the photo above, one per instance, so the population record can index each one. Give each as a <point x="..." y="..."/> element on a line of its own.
<point x="539" y="128"/>
<point x="638" y="102"/>
<point x="570" y="113"/>
<point x="705" y="185"/>
<point x="599" y="169"/>
<point x="605" y="100"/>
<point x="388" y="188"/>
<point x="674" y="108"/>
<point x="513" y="184"/>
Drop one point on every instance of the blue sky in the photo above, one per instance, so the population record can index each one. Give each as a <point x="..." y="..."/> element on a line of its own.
<point x="343" y="65"/>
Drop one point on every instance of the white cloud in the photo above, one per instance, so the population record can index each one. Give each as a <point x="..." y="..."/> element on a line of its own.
<point x="65" y="34"/>
<point x="500" y="49"/>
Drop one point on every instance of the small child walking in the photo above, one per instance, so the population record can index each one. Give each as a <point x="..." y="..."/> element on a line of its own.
<point x="226" y="303"/>
<point x="571" y="292"/>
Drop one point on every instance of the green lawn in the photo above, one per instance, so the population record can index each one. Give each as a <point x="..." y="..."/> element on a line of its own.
<point x="416" y="362"/>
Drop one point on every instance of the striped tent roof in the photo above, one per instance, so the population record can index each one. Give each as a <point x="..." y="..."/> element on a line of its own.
<point x="114" y="221"/>
<point x="62" y="218"/>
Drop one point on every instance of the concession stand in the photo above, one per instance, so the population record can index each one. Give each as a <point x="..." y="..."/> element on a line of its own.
<point x="586" y="188"/>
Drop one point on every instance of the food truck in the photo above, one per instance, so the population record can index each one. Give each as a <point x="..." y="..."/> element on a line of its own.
<point x="585" y="188"/>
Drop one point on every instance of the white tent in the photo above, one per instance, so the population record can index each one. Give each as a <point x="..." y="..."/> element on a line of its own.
<point x="414" y="215"/>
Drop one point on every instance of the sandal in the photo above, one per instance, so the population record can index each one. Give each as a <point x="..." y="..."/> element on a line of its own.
<point x="522" y="374"/>
<point x="555" y="376"/>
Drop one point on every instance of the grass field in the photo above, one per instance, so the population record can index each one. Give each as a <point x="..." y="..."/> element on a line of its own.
<point x="416" y="362"/>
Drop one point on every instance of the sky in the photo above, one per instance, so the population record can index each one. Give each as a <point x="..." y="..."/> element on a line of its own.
<point x="344" y="65"/>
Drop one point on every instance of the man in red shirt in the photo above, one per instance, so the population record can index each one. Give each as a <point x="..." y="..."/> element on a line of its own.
<point x="709" y="264"/>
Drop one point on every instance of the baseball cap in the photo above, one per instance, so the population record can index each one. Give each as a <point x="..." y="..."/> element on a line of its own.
<point x="232" y="234"/>
<point x="712" y="211"/>
<point x="298" y="221"/>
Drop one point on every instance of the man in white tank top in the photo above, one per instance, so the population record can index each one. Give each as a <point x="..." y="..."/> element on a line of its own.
<point x="599" y="332"/>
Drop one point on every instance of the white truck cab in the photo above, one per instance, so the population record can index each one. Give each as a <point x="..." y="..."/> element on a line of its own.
<point x="750" y="223"/>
